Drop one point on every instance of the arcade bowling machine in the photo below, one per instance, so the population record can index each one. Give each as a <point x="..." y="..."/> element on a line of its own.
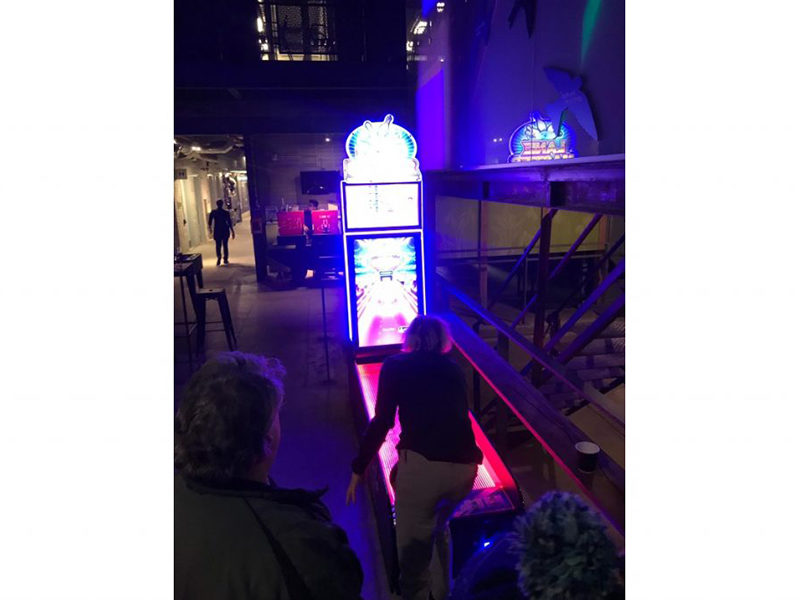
<point x="382" y="218"/>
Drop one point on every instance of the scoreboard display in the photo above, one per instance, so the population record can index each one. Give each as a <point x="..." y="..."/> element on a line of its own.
<point x="382" y="206"/>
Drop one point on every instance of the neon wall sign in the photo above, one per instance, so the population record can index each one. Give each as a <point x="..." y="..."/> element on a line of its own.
<point x="537" y="140"/>
<point x="381" y="151"/>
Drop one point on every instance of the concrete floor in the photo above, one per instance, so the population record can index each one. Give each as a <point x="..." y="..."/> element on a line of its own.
<point x="319" y="438"/>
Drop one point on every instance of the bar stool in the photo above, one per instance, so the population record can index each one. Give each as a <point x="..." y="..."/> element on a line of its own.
<point x="218" y="294"/>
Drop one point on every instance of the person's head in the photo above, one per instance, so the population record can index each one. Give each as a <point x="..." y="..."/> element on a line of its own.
<point x="219" y="203"/>
<point x="564" y="551"/>
<point x="427" y="334"/>
<point x="228" y="426"/>
<point x="313" y="204"/>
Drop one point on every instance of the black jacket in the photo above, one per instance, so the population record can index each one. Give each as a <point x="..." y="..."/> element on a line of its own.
<point x="429" y="392"/>
<point x="248" y="540"/>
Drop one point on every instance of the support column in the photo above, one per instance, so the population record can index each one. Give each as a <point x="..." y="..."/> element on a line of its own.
<point x="541" y="279"/>
<point x="257" y="211"/>
<point x="483" y="263"/>
<point x="543" y="274"/>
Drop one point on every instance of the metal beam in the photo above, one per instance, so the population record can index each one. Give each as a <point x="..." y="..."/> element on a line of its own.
<point x="581" y="238"/>
<point x="587" y="304"/>
<point x="522" y="258"/>
<point x="592" y="184"/>
<point x="550" y="364"/>
<point x="598" y="267"/>
<point x="605" y="487"/>
<point x="588" y="334"/>
<point x="541" y="283"/>
<point x="583" y="235"/>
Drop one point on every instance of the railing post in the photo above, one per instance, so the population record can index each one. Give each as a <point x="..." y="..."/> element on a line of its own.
<point x="483" y="265"/>
<point x="525" y="288"/>
<point x="541" y="282"/>
<point x="522" y="259"/>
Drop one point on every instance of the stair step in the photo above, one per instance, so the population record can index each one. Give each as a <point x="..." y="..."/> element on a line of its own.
<point x="615" y="329"/>
<point x="563" y="400"/>
<point x="596" y="377"/>
<point x="597" y="361"/>
<point x="556" y="387"/>
<point x="601" y="373"/>
<point x="604" y="346"/>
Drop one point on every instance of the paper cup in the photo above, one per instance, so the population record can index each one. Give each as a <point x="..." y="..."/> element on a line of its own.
<point x="588" y="452"/>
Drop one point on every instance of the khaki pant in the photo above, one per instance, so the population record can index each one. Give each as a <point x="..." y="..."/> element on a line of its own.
<point x="427" y="494"/>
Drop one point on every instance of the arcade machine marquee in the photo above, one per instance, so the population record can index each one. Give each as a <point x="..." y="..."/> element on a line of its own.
<point x="382" y="218"/>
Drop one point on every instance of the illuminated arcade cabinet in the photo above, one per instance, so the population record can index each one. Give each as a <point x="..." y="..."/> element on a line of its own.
<point x="386" y="288"/>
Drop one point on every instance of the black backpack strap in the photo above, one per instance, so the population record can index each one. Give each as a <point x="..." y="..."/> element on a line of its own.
<point x="298" y="590"/>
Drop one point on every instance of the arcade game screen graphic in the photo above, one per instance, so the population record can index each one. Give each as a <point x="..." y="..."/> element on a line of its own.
<point x="385" y="288"/>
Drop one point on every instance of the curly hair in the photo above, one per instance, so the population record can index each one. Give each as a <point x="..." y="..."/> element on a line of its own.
<point x="427" y="333"/>
<point x="228" y="406"/>
<point x="564" y="551"/>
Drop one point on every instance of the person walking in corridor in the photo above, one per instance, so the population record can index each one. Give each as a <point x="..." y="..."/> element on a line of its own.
<point x="220" y="225"/>
<point x="437" y="455"/>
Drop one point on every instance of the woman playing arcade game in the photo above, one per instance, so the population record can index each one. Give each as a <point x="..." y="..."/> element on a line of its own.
<point x="438" y="457"/>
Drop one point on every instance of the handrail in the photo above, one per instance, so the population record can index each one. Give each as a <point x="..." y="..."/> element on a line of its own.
<point x="587" y="304"/>
<point x="556" y="433"/>
<point x="549" y="216"/>
<point x="562" y="263"/>
<point x="583" y="389"/>
<point x="588" y="334"/>
<point x="599" y="265"/>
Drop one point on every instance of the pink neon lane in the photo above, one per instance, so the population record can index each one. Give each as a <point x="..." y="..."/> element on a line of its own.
<point x="493" y="479"/>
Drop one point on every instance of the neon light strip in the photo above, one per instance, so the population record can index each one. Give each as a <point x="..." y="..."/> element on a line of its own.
<point x="493" y="477"/>
<point x="558" y="460"/>
<point x="346" y="265"/>
<point x="384" y="232"/>
<point x="422" y="247"/>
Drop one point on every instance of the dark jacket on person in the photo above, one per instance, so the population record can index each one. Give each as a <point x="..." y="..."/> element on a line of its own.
<point x="221" y="221"/>
<point x="260" y="542"/>
<point x="430" y="392"/>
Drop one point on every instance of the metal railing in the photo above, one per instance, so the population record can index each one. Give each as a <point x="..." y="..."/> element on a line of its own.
<point x="537" y="355"/>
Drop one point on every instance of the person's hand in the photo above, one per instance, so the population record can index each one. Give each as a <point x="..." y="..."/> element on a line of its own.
<point x="233" y="235"/>
<point x="350" y="498"/>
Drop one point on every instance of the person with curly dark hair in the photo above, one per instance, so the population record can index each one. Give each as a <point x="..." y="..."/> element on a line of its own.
<point x="237" y="534"/>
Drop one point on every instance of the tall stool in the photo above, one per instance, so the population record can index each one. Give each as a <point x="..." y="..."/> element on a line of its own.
<point x="218" y="294"/>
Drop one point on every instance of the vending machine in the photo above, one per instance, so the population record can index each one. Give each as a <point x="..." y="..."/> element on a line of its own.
<point x="385" y="279"/>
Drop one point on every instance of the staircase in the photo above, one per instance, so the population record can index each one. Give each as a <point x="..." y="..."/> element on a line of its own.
<point x="601" y="364"/>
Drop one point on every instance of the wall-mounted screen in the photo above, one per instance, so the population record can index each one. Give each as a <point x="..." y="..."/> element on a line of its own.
<point x="319" y="182"/>
<point x="382" y="205"/>
<point x="385" y="279"/>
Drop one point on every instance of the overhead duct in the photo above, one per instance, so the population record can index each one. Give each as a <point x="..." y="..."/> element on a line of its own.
<point x="208" y="149"/>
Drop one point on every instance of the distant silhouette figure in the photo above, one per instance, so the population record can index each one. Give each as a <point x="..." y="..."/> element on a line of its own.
<point x="308" y="223"/>
<point x="219" y="225"/>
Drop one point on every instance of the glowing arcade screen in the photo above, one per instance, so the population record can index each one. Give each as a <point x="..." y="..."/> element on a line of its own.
<point x="382" y="206"/>
<point x="384" y="279"/>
